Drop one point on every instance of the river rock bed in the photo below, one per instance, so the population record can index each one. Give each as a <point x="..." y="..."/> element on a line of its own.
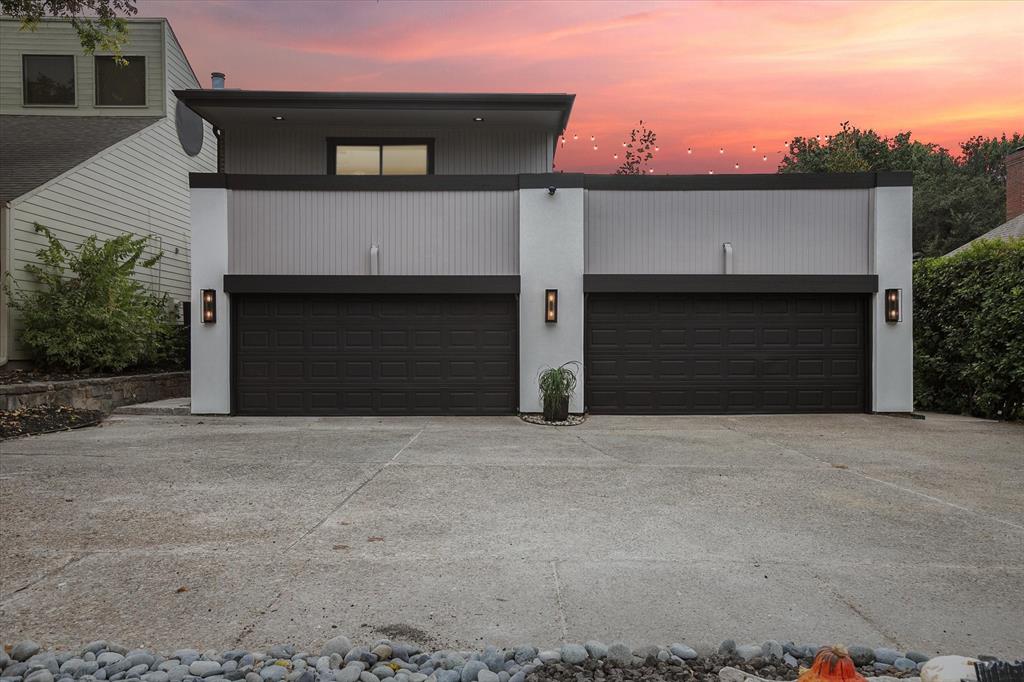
<point x="339" y="661"/>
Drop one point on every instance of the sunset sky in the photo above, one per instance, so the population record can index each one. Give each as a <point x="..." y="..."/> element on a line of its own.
<point x="702" y="74"/>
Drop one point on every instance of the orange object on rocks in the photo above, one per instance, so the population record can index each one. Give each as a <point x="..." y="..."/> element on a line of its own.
<point x="832" y="664"/>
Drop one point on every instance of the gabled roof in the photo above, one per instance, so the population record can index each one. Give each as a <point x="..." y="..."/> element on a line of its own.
<point x="1011" y="229"/>
<point x="36" y="149"/>
<point x="223" y="107"/>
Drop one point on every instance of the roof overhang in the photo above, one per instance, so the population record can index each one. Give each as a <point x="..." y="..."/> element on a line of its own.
<point x="227" y="108"/>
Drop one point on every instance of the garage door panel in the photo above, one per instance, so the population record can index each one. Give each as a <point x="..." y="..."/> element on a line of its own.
<point x="410" y="354"/>
<point x="730" y="353"/>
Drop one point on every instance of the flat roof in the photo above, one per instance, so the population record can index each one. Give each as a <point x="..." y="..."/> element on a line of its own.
<point x="224" y="107"/>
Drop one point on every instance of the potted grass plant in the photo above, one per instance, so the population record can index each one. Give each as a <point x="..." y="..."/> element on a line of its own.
<point x="556" y="388"/>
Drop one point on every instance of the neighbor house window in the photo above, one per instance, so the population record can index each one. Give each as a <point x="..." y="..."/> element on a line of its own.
<point x="49" y="79"/>
<point x="380" y="157"/>
<point x="120" y="85"/>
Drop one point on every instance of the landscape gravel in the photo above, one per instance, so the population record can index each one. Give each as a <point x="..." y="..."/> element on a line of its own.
<point x="338" y="660"/>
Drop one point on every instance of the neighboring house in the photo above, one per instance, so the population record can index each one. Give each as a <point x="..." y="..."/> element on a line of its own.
<point x="390" y="253"/>
<point x="88" y="147"/>
<point x="1013" y="228"/>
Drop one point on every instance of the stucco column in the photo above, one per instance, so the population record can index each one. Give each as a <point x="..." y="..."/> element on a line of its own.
<point x="892" y="344"/>
<point x="550" y="257"/>
<point x="211" y="343"/>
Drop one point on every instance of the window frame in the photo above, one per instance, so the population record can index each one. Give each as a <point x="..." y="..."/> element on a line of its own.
<point x="24" y="80"/>
<point x="96" y="83"/>
<point x="380" y="142"/>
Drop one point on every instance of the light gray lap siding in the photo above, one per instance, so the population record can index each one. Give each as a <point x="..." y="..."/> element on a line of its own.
<point x="771" y="231"/>
<point x="302" y="150"/>
<point x="138" y="185"/>
<point x="330" y="233"/>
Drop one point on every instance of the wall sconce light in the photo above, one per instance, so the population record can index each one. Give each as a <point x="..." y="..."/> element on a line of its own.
<point x="209" y="309"/>
<point x="551" y="305"/>
<point x="893" y="305"/>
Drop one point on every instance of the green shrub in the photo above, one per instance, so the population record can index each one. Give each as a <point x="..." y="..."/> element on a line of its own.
<point x="90" y="314"/>
<point x="969" y="331"/>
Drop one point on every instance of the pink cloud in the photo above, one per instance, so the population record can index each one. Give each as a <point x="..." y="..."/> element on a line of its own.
<point x="704" y="74"/>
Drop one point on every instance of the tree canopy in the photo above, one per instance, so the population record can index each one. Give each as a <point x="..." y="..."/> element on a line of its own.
<point x="638" y="151"/>
<point x="956" y="197"/>
<point x="99" y="23"/>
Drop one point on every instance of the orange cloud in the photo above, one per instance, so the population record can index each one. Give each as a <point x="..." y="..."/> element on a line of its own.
<point x="703" y="74"/>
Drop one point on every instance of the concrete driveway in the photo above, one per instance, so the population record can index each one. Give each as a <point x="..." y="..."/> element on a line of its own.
<point x="216" y="532"/>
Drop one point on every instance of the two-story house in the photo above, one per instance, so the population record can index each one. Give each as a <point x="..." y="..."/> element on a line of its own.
<point x="397" y="253"/>
<point x="92" y="147"/>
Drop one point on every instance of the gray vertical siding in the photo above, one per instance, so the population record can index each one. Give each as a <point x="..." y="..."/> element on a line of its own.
<point x="330" y="233"/>
<point x="302" y="149"/>
<point x="772" y="231"/>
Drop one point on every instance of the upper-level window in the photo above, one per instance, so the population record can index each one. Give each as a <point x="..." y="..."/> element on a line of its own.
<point x="359" y="156"/>
<point x="49" y="79"/>
<point x="120" y="85"/>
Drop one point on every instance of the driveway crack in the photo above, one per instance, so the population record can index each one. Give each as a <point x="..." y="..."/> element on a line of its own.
<point x="362" y="485"/>
<point x="48" y="574"/>
<point x="558" y="600"/>
<point x="248" y="629"/>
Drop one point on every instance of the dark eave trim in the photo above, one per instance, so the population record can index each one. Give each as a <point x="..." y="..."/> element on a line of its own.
<point x="771" y="181"/>
<point x="627" y="183"/>
<point x="371" y="284"/>
<point x="731" y="284"/>
<point x="545" y="180"/>
<point x="458" y="101"/>
<point x="356" y="183"/>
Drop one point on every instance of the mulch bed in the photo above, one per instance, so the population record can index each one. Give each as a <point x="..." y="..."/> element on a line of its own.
<point x="45" y="419"/>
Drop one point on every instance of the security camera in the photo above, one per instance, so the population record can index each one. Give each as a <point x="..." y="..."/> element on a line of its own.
<point x="551" y="190"/>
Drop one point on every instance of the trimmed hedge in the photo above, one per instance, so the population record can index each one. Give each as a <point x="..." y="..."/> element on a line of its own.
<point x="969" y="331"/>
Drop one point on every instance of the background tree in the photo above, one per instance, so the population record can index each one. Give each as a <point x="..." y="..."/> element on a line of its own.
<point x="639" y="151"/>
<point x="956" y="198"/>
<point x="98" y="22"/>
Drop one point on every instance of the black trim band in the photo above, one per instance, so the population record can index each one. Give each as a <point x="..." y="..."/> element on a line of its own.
<point x="545" y="180"/>
<point x="894" y="179"/>
<point x="470" y="183"/>
<point x="371" y="284"/>
<point x="670" y="183"/>
<point x="732" y="284"/>
<point x="357" y="183"/>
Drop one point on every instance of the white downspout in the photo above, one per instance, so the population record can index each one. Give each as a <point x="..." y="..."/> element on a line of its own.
<point x="727" y="258"/>
<point x="374" y="259"/>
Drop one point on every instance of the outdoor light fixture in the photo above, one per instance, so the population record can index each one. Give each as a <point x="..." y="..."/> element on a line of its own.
<point x="209" y="306"/>
<point x="279" y="118"/>
<point x="551" y="305"/>
<point x="480" y="119"/>
<point x="893" y="305"/>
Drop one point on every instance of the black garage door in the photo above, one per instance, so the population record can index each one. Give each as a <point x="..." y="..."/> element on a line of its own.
<point x="721" y="353"/>
<point x="381" y="354"/>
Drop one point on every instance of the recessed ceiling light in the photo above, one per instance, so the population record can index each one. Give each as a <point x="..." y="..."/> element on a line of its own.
<point x="478" y="119"/>
<point x="279" y="118"/>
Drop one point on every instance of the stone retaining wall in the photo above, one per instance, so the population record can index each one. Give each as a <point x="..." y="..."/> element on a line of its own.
<point x="103" y="393"/>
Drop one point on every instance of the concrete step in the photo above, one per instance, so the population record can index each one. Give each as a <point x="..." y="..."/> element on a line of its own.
<point x="170" y="406"/>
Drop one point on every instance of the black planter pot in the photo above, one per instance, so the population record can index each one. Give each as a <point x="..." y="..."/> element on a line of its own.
<point x="556" y="410"/>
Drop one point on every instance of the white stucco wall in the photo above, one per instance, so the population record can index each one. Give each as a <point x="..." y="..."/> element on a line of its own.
<point x="892" y="344"/>
<point x="550" y="257"/>
<point x="211" y="343"/>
